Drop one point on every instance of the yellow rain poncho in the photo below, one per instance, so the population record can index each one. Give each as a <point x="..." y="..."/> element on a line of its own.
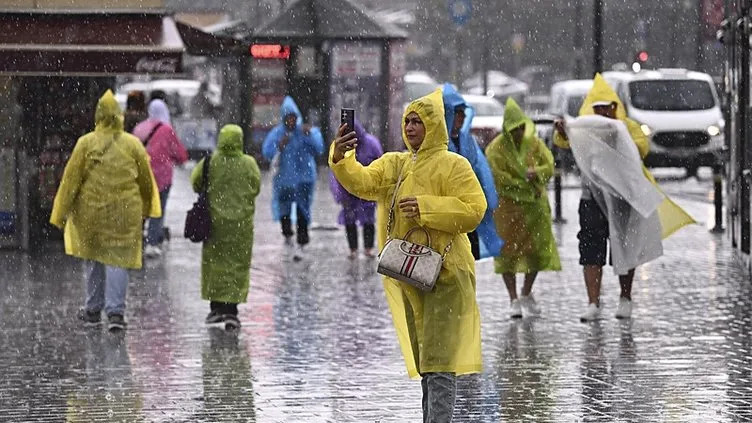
<point x="523" y="217"/>
<point x="106" y="191"/>
<point x="672" y="216"/>
<point x="438" y="331"/>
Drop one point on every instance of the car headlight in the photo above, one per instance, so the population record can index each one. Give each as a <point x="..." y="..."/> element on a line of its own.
<point x="714" y="130"/>
<point x="646" y="130"/>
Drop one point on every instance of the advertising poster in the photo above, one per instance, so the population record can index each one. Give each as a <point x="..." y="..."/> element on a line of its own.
<point x="356" y="84"/>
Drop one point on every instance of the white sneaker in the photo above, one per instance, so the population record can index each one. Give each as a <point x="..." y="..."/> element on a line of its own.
<point x="529" y="305"/>
<point x="624" y="311"/>
<point x="152" y="251"/>
<point x="515" y="310"/>
<point x="299" y="253"/>
<point x="593" y="312"/>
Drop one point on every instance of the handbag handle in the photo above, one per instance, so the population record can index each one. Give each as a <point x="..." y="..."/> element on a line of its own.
<point x="419" y="228"/>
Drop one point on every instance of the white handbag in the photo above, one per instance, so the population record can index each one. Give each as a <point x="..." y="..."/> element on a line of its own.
<point x="414" y="264"/>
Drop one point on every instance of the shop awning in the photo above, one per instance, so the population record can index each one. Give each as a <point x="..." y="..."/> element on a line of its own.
<point x="89" y="43"/>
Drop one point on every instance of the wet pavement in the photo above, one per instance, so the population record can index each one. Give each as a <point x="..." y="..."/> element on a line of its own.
<point x="317" y="343"/>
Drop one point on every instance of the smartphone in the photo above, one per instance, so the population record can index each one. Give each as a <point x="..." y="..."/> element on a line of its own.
<point x="347" y="117"/>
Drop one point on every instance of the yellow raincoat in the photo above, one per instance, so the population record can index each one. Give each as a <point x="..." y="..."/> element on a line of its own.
<point x="106" y="191"/>
<point x="438" y="331"/>
<point x="672" y="216"/>
<point x="523" y="216"/>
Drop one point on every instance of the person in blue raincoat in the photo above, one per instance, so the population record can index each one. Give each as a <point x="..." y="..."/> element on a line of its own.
<point x="292" y="147"/>
<point x="484" y="241"/>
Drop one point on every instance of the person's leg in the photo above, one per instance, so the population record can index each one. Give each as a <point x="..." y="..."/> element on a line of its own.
<point x="95" y="284"/>
<point x="442" y="395"/>
<point x="626" y="284"/>
<point x="474" y="244"/>
<point x="285" y="197"/>
<point x="369" y="230"/>
<point x="424" y="400"/>
<point x="593" y="275"/>
<point x="163" y="202"/>
<point x="352" y="237"/>
<point x="527" y="288"/>
<point x="510" y="280"/>
<point x="303" y="198"/>
<point x="155" y="233"/>
<point x="115" y="290"/>
<point x="515" y="308"/>
<point x="624" y="310"/>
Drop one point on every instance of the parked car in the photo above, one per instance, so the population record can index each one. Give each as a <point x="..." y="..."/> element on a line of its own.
<point x="567" y="97"/>
<point x="679" y="111"/>
<point x="488" y="120"/>
<point x="500" y="86"/>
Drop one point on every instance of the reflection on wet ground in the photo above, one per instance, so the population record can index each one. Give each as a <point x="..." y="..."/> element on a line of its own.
<point x="317" y="344"/>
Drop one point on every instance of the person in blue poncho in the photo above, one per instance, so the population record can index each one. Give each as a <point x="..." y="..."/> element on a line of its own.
<point x="292" y="148"/>
<point x="484" y="241"/>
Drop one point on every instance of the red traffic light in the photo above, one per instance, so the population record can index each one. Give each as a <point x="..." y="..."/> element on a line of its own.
<point x="642" y="56"/>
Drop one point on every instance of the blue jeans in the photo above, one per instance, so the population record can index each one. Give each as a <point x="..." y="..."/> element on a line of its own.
<point x="105" y="288"/>
<point x="155" y="233"/>
<point x="439" y="395"/>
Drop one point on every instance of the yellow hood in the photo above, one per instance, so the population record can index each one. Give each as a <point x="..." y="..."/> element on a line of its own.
<point x="601" y="91"/>
<point x="430" y="109"/>
<point x="108" y="115"/>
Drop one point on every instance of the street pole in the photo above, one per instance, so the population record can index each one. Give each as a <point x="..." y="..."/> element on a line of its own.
<point x="578" y="39"/>
<point x="597" y="36"/>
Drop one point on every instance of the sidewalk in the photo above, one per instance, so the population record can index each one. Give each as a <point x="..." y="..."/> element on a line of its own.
<point x="317" y="343"/>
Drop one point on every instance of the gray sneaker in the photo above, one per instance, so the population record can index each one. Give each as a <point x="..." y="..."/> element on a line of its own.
<point x="116" y="322"/>
<point x="515" y="309"/>
<point x="90" y="318"/>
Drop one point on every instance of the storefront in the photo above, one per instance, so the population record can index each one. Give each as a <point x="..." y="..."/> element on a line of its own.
<point x="54" y="65"/>
<point x="736" y="34"/>
<point x="358" y="63"/>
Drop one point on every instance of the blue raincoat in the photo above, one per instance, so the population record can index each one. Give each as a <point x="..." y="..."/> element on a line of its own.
<point x="470" y="150"/>
<point x="296" y="165"/>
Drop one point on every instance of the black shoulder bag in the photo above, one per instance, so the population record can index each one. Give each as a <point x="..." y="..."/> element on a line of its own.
<point x="198" y="220"/>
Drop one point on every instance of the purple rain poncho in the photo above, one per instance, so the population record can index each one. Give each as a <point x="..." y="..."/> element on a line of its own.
<point x="355" y="210"/>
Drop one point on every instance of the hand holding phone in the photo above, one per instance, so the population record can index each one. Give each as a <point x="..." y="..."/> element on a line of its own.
<point x="347" y="117"/>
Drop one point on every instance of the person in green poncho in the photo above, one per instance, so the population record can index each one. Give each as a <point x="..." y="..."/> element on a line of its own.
<point x="234" y="183"/>
<point x="522" y="165"/>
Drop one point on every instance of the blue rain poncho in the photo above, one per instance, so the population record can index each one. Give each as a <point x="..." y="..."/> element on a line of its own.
<point x="469" y="149"/>
<point x="296" y="165"/>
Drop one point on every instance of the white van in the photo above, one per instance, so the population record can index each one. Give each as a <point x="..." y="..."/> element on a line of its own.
<point x="678" y="110"/>
<point x="567" y="97"/>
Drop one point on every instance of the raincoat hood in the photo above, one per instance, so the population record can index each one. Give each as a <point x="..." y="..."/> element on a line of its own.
<point x="230" y="141"/>
<point x="430" y="109"/>
<point x="601" y="91"/>
<point x="452" y="99"/>
<point x="514" y="117"/>
<point x="290" y="108"/>
<point x="108" y="115"/>
<point x="158" y="110"/>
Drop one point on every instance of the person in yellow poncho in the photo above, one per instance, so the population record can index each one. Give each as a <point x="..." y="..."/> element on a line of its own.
<point x="594" y="223"/>
<point x="106" y="191"/>
<point x="438" y="331"/>
<point x="521" y="165"/>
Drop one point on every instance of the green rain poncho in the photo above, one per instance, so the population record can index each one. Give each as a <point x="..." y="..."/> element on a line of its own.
<point x="439" y="331"/>
<point x="234" y="183"/>
<point x="523" y="218"/>
<point x="106" y="191"/>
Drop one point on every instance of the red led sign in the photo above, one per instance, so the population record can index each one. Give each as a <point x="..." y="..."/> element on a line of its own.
<point x="270" y="51"/>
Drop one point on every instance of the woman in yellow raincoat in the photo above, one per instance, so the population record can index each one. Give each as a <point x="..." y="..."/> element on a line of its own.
<point x="106" y="191"/>
<point x="439" y="331"/>
<point x="521" y="165"/>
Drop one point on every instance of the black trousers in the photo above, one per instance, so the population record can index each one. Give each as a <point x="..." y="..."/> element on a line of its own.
<point x="352" y="236"/>
<point x="224" y="308"/>
<point x="302" y="232"/>
<point x="474" y="244"/>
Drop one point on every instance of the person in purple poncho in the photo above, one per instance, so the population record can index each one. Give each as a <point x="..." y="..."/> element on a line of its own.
<point x="355" y="210"/>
